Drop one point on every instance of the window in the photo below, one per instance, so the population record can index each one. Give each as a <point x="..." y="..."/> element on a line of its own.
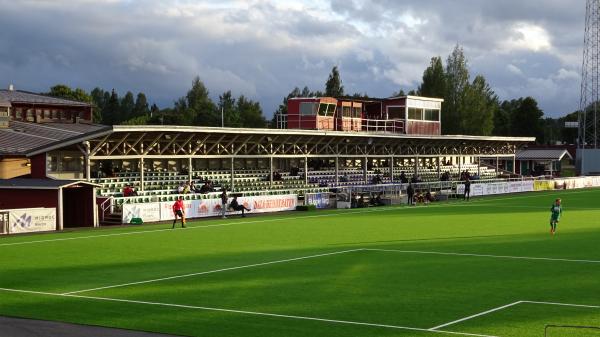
<point x="347" y="111"/>
<point x="322" y="109"/>
<point x="18" y="113"/>
<point x="432" y="115"/>
<point x="331" y="109"/>
<point x="356" y="112"/>
<point x="415" y="114"/>
<point x="396" y="112"/>
<point x="308" y="109"/>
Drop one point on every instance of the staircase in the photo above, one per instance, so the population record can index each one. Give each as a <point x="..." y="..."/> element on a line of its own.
<point x="112" y="219"/>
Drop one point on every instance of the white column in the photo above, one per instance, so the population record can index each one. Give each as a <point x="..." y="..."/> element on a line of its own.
<point x="231" y="187"/>
<point x="514" y="161"/>
<point x="479" y="167"/>
<point x="416" y="166"/>
<point x="439" y="168"/>
<point x="391" y="169"/>
<point x="95" y="208"/>
<point x="551" y="168"/>
<point x="337" y="172"/>
<point x="497" y="164"/>
<point x="88" y="169"/>
<point x="59" y="210"/>
<point x="271" y="171"/>
<point x="142" y="174"/>
<point x="305" y="170"/>
<point x="365" y="168"/>
<point x="190" y="170"/>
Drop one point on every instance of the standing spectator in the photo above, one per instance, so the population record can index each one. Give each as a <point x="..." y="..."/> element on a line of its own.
<point x="467" y="195"/>
<point x="237" y="207"/>
<point x="410" y="191"/>
<point x="403" y="178"/>
<point x="179" y="211"/>
<point x="223" y="203"/>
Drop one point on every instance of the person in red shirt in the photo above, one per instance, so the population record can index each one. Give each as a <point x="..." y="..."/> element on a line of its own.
<point x="179" y="211"/>
<point x="127" y="191"/>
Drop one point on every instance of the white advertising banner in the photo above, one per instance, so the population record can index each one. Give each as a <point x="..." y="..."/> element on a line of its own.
<point x="527" y="186"/>
<point x="497" y="188"/>
<point x="28" y="220"/>
<point x="212" y="207"/>
<point x="320" y="200"/>
<point x="148" y="212"/>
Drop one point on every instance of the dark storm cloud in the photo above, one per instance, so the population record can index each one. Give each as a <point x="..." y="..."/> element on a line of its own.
<point x="263" y="49"/>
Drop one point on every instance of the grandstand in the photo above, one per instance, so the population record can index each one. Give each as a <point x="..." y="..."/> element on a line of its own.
<point x="309" y="157"/>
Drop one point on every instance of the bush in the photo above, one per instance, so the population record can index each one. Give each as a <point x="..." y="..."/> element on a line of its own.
<point x="306" y="208"/>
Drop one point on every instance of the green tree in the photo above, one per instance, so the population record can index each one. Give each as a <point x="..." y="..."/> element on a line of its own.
<point x="154" y="110"/>
<point x="457" y="81"/>
<point x="434" y="80"/>
<point x="65" y="92"/>
<point x="251" y="115"/>
<point x="231" y="115"/>
<point x="141" y="106"/>
<point x="333" y="86"/>
<point x="502" y="119"/>
<point x="126" y="108"/>
<point x="282" y="108"/>
<point x="480" y="104"/>
<point x="112" y="109"/>
<point x="99" y="102"/>
<point x="198" y="108"/>
<point x="526" y="120"/>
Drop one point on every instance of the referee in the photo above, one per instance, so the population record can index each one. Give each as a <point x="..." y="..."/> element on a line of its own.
<point x="179" y="211"/>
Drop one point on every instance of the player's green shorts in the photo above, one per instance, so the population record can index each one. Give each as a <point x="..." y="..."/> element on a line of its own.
<point x="555" y="218"/>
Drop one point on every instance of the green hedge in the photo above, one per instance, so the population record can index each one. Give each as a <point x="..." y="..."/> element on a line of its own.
<point x="306" y="208"/>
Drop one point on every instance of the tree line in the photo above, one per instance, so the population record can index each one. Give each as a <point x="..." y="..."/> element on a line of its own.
<point x="195" y="108"/>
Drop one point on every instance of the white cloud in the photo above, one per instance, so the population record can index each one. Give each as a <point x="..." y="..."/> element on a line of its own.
<point x="527" y="36"/>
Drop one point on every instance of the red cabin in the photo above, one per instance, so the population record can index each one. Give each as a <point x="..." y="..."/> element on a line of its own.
<point x="406" y="115"/>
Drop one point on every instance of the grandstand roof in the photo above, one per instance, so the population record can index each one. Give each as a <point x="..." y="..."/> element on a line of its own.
<point x="543" y="154"/>
<point x="21" y="138"/>
<point x="176" y="128"/>
<point x="29" y="139"/>
<point x="25" y="97"/>
<point x="40" y="184"/>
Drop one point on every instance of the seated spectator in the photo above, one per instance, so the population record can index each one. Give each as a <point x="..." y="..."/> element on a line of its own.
<point x="193" y="188"/>
<point x="180" y="188"/>
<point x="237" y="207"/>
<point x="344" y="178"/>
<point x="186" y="188"/>
<point x="205" y="188"/>
<point x="128" y="191"/>
<point x="294" y="171"/>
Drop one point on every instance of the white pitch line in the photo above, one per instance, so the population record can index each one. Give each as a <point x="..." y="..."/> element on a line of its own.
<point x="476" y="315"/>
<point x="564" y="304"/>
<point x="255" y="313"/>
<point x="482" y="255"/>
<point x="212" y="271"/>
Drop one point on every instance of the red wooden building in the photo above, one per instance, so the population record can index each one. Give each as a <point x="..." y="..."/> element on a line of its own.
<point x="411" y="115"/>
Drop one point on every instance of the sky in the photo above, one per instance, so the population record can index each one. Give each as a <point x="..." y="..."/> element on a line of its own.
<point x="263" y="49"/>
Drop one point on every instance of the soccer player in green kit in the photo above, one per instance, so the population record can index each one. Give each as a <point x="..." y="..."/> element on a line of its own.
<point x="556" y="210"/>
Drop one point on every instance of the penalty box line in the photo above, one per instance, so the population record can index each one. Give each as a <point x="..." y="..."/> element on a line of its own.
<point x="587" y="306"/>
<point x="246" y="312"/>
<point x="213" y="271"/>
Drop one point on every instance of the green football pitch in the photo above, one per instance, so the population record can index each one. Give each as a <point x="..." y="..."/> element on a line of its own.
<point x="488" y="267"/>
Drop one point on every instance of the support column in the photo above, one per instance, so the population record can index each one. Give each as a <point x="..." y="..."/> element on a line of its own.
<point x="479" y="167"/>
<point x="391" y="164"/>
<point x="88" y="169"/>
<point x="497" y="165"/>
<point x="439" y="167"/>
<point x="514" y="161"/>
<point x="305" y="170"/>
<point x="271" y="171"/>
<point x="232" y="174"/>
<point x="551" y="168"/>
<point x="337" y="171"/>
<point x="59" y="210"/>
<point x="416" y="171"/>
<point x="365" y="168"/>
<point x="142" y="174"/>
<point x="190" y="170"/>
<point x="459" y="166"/>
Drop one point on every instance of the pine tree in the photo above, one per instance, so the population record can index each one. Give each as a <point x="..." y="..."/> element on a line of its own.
<point x="126" y="109"/>
<point x="250" y="113"/>
<point x="141" y="106"/>
<point x="333" y="86"/>
<point x="457" y="81"/>
<point x="231" y="115"/>
<point x="434" y="80"/>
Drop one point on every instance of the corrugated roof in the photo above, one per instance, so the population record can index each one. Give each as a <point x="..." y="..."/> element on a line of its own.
<point x="543" y="154"/>
<point x="18" y="96"/>
<point x="22" y="137"/>
<point x="40" y="183"/>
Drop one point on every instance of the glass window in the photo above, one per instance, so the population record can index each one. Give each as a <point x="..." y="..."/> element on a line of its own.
<point x="356" y="112"/>
<point x="308" y="109"/>
<point x="347" y="111"/>
<point x="322" y="109"/>
<point x="432" y="115"/>
<point x="415" y="114"/>
<point x="331" y="109"/>
<point x="396" y="112"/>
